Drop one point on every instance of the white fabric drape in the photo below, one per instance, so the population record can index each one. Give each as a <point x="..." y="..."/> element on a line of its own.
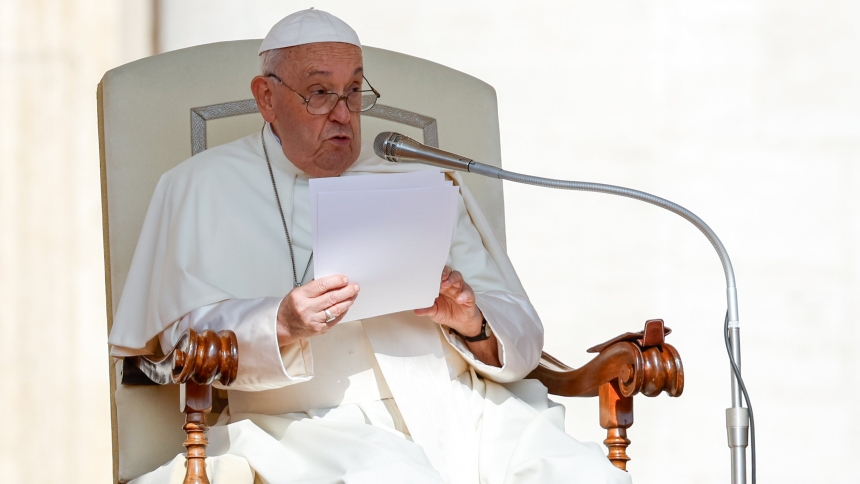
<point x="212" y="253"/>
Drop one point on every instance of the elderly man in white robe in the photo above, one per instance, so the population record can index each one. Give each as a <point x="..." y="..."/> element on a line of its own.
<point x="428" y="396"/>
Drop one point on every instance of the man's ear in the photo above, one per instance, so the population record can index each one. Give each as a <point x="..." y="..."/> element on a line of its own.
<point x="261" y="87"/>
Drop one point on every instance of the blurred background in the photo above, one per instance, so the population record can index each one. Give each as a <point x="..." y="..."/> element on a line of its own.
<point x="747" y="112"/>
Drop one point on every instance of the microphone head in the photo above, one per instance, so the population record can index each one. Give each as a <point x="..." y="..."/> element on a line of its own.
<point x="400" y="148"/>
<point x="379" y="144"/>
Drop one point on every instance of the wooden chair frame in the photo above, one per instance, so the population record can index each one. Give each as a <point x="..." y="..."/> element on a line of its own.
<point x="626" y="365"/>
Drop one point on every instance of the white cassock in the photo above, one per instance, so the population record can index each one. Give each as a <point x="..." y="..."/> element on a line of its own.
<point x="388" y="399"/>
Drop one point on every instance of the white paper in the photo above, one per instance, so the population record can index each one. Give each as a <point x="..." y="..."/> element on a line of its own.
<point x="389" y="181"/>
<point x="389" y="233"/>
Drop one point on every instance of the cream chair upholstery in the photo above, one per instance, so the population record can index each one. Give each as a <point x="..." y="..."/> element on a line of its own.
<point x="156" y="112"/>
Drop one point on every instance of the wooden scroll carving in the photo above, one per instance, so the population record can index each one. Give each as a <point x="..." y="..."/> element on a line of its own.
<point x="624" y="366"/>
<point x="197" y="360"/>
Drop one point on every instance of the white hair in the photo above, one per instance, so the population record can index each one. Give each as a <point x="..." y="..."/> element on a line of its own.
<point x="270" y="60"/>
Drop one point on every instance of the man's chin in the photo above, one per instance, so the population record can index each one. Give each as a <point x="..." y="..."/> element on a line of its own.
<point x="335" y="162"/>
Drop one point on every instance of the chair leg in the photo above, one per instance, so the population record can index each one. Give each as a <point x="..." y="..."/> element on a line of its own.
<point x="616" y="416"/>
<point x="198" y="403"/>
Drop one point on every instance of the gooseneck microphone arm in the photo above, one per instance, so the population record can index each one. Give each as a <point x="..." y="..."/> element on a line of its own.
<point x="399" y="148"/>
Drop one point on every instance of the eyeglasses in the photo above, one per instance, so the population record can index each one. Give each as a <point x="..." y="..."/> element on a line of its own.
<point x="325" y="102"/>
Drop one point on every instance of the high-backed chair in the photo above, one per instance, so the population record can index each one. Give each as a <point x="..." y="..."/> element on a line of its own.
<point x="156" y="112"/>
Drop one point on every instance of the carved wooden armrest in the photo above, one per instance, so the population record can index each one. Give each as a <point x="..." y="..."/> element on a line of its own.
<point x="197" y="360"/>
<point x="626" y="365"/>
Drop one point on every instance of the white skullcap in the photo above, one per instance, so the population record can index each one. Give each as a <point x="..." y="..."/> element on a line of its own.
<point x="307" y="27"/>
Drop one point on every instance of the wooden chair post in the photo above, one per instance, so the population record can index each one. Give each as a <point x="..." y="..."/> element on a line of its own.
<point x="197" y="360"/>
<point x="616" y="416"/>
<point x="198" y="403"/>
<point x="626" y="365"/>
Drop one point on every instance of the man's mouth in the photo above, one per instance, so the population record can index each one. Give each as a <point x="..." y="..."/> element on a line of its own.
<point x="340" y="140"/>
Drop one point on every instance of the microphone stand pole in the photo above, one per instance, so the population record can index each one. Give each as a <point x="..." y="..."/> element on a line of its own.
<point x="737" y="416"/>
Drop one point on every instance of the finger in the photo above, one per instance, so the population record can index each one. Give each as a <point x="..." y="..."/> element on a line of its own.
<point x="458" y="290"/>
<point x="339" y="310"/>
<point x="466" y="297"/>
<point x="318" y="287"/>
<point x="451" y="286"/>
<point x="446" y="271"/>
<point x="424" y="311"/>
<point x="319" y="325"/>
<point x="430" y="312"/>
<point x="334" y="297"/>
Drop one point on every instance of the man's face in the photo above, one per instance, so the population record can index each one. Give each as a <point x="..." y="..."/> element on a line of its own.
<point x="324" y="144"/>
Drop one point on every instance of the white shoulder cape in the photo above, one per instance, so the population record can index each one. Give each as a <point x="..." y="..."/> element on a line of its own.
<point x="213" y="232"/>
<point x="212" y="218"/>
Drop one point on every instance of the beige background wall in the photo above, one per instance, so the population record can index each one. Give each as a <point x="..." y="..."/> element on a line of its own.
<point x="746" y="112"/>
<point x="54" y="400"/>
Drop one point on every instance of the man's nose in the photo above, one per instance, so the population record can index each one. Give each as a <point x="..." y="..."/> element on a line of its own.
<point x="341" y="112"/>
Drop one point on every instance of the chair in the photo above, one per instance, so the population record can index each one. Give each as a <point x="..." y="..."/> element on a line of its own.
<point x="156" y="112"/>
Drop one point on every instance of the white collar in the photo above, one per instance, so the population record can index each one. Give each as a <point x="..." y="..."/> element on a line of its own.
<point x="272" y="132"/>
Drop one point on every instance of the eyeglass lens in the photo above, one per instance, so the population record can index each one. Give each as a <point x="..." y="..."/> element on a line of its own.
<point x="324" y="103"/>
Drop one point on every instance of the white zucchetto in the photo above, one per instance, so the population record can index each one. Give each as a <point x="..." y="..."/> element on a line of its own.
<point x="307" y="27"/>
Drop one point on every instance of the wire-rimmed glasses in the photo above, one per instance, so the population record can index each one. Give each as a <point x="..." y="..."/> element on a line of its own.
<point x="325" y="102"/>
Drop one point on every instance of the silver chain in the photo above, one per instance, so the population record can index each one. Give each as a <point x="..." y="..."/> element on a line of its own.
<point x="296" y="281"/>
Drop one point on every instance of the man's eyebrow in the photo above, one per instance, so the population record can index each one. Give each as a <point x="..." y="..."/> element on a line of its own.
<point x="328" y="73"/>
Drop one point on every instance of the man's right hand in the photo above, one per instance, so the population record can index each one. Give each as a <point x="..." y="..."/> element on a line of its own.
<point x="302" y="312"/>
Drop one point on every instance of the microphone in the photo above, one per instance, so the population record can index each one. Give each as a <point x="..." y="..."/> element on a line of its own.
<point x="403" y="149"/>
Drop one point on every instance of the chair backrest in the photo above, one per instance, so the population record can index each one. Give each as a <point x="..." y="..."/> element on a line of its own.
<point x="156" y="112"/>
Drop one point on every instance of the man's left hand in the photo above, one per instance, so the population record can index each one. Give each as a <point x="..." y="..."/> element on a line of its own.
<point x="455" y="307"/>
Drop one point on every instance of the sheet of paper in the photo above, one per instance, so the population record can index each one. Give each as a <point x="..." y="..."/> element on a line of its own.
<point x="388" y="181"/>
<point x="392" y="242"/>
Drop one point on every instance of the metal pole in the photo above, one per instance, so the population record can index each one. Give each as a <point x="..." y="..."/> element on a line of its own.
<point x="737" y="417"/>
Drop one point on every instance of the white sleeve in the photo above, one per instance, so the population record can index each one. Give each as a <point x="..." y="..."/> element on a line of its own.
<point x="262" y="364"/>
<point x="511" y="316"/>
<point x="518" y="331"/>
